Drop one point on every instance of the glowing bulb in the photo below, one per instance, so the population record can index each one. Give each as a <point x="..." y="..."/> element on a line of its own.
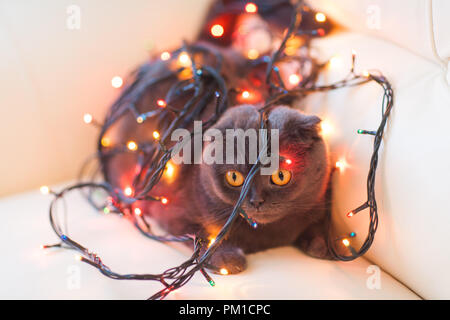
<point x="184" y="60"/>
<point x="161" y="103"/>
<point x="128" y="191"/>
<point x="140" y="119"/>
<point x="245" y="94"/>
<point x="116" y="82"/>
<point x="346" y="242"/>
<point x="165" y="56"/>
<point x="326" y="127"/>
<point x="44" y="190"/>
<point x="164" y="200"/>
<point x="156" y="135"/>
<point x="106" y="142"/>
<point x="78" y="257"/>
<point x="366" y="73"/>
<point x="131" y="145"/>
<point x="217" y="30"/>
<point x="223" y="271"/>
<point x="137" y="211"/>
<point x="211" y="242"/>
<point x="106" y="210"/>
<point x="350" y="214"/>
<point x="320" y="17"/>
<point x="288" y="161"/>
<point x="253" y="54"/>
<point x="251" y="8"/>
<point x="335" y="62"/>
<point x="170" y="170"/>
<point x="87" y="118"/>
<point x="341" y="165"/>
<point x="294" y="79"/>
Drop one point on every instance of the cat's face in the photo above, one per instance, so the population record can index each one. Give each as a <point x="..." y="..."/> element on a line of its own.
<point x="297" y="186"/>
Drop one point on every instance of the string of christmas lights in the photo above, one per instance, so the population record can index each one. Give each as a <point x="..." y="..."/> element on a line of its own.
<point x="203" y="84"/>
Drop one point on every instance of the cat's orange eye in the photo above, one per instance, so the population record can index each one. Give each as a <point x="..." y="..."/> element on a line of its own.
<point x="234" y="178"/>
<point x="281" y="177"/>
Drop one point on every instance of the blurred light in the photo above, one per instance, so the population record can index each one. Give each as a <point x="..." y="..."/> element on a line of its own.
<point x="341" y="165"/>
<point x="253" y="54"/>
<point x="137" y="211"/>
<point x="184" y="60"/>
<point x="320" y="17"/>
<point x="211" y="241"/>
<point x="288" y="161"/>
<point x="217" y="30"/>
<point x="346" y="242"/>
<point x="251" y="8"/>
<point x="335" y="62"/>
<point x="156" y="135"/>
<point x="106" y="142"/>
<point x="245" y="95"/>
<point x="161" y="103"/>
<point x="44" y="189"/>
<point x="116" y="82"/>
<point x="223" y="271"/>
<point x="87" y="118"/>
<point x="294" y="79"/>
<point x="131" y="145"/>
<point x="326" y="127"/>
<point x="165" y="56"/>
<point x="164" y="200"/>
<point x="128" y="191"/>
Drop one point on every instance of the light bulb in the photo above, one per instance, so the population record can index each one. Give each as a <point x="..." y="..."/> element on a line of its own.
<point x="44" y="190"/>
<point x="156" y="135"/>
<point x="87" y="118"/>
<point x="165" y="56"/>
<point x="251" y="8"/>
<point x="217" y="30"/>
<point x="223" y="271"/>
<point x="164" y="200"/>
<point x="137" y="211"/>
<point x="116" y="82"/>
<point x="128" y="191"/>
<point x="161" y="103"/>
<point x="320" y="17"/>
<point x="131" y="145"/>
<point x="294" y="79"/>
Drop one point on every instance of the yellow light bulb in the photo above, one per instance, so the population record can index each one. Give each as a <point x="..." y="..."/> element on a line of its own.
<point x="335" y="62"/>
<point x="294" y="79"/>
<point x="251" y="8"/>
<point x="137" y="211"/>
<point x="223" y="271"/>
<point x="87" y="118"/>
<point x="245" y="94"/>
<point x="116" y="82"/>
<point x="217" y="30"/>
<point x="211" y="241"/>
<point x="156" y="135"/>
<point x="44" y="190"/>
<point x="253" y="54"/>
<point x="184" y="60"/>
<point x="346" y="242"/>
<point x="326" y="127"/>
<point x="320" y="17"/>
<point x="131" y="145"/>
<point x="165" y="56"/>
<point x="106" y="142"/>
<point x="164" y="200"/>
<point x="128" y="191"/>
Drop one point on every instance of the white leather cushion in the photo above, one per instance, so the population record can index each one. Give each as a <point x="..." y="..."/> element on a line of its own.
<point x="412" y="186"/>
<point x="422" y="26"/>
<point x="283" y="273"/>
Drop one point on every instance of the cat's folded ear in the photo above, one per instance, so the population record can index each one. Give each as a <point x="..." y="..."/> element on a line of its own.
<point x="294" y="125"/>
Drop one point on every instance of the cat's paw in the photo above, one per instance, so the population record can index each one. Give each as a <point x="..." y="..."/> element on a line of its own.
<point x="230" y="258"/>
<point x="317" y="247"/>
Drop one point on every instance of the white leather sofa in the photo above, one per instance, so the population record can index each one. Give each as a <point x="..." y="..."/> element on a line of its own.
<point x="53" y="75"/>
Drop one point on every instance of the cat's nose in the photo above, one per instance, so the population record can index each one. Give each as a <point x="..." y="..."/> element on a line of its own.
<point x="256" y="202"/>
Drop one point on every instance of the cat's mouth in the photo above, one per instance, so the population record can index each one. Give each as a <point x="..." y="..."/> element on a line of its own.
<point x="262" y="216"/>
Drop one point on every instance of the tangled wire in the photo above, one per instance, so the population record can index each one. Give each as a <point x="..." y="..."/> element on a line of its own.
<point x="205" y="86"/>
